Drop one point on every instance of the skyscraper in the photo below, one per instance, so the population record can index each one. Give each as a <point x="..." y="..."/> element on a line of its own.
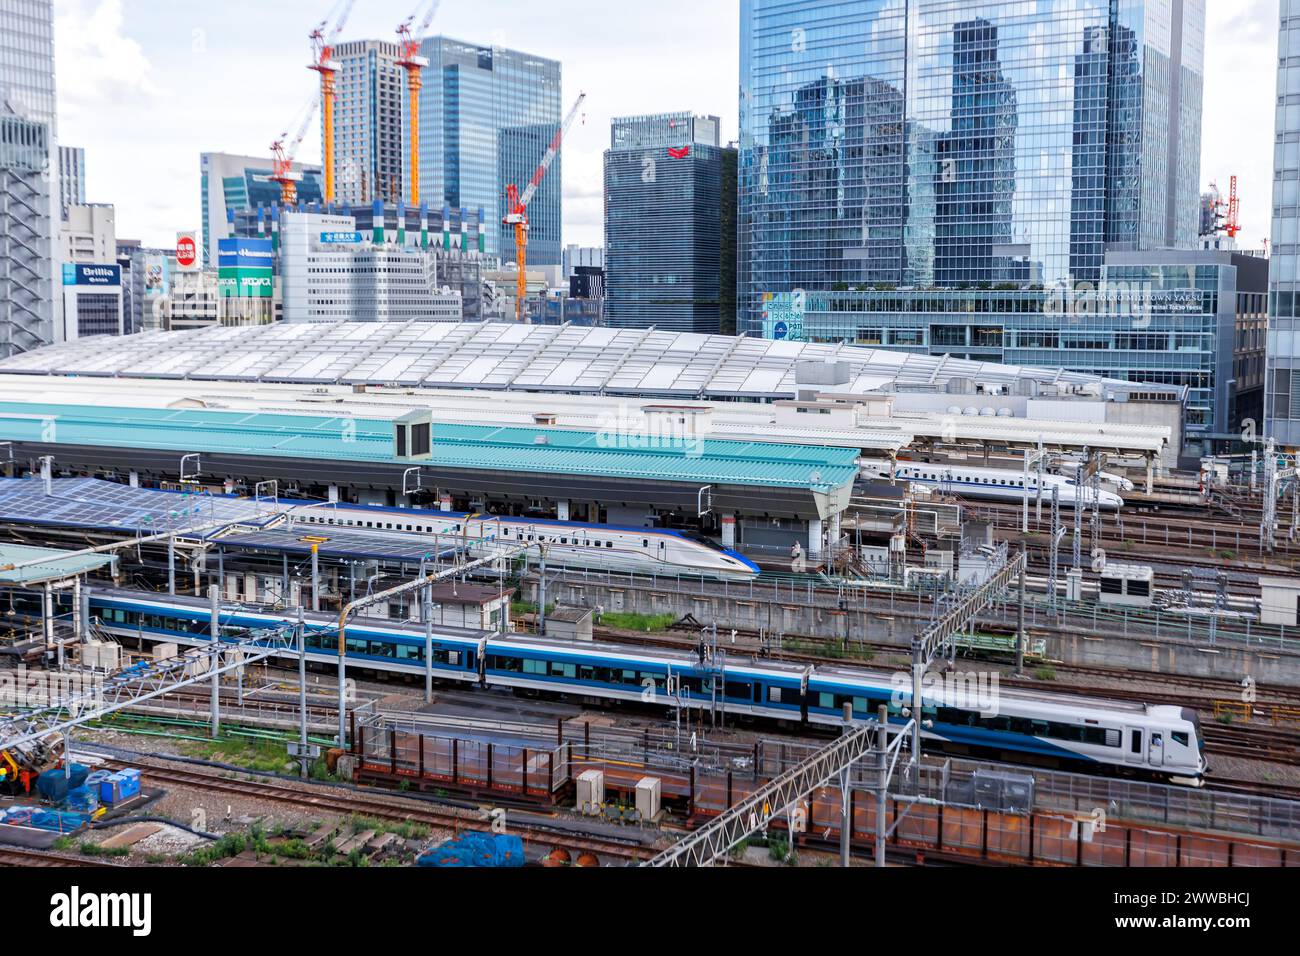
<point x="29" y="190"/>
<point x="1282" y="387"/>
<point x="487" y="115"/>
<point x="663" y="223"/>
<point x="369" y="123"/>
<point x="962" y="143"/>
<point x="72" y="177"/>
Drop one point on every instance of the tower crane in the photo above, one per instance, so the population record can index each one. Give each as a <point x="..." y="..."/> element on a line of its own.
<point x="323" y="39"/>
<point x="284" y="150"/>
<point x="1233" y="224"/>
<point x="518" y="205"/>
<point x="409" y="41"/>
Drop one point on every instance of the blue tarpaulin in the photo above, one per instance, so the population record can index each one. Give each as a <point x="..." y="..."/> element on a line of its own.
<point x="476" y="850"/>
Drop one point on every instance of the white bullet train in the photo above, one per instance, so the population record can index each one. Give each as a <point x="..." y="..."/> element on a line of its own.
<point x="988" y="484"/>
<point x="569" y="544"/>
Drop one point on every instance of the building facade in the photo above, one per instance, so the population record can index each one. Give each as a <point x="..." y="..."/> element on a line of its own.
<point x="663" y="223"/>
<point x="1282" y="400"/>
<point x="487" y="115"/>
<point x="30" y="291"/>
<point x="1190" y="319"/>
<point x="72" y="177"/>
<point x="230" y="185"/>
<point x="88" y="234"/>
<point x="331" y="272"/>
<point x="958" y="144"/>
<point x="369" y="123"/>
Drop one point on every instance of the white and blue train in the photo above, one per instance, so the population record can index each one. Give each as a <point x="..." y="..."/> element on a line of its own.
<point x="988" y="484"/>
<point x="570" y="544"/>
<point x="1163" y="742"/>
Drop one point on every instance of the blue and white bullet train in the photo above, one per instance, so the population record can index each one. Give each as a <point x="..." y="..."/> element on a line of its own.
<point x="571" y="544"/>
<point x="1163" y="742"/>
<point x="989" y="484"/>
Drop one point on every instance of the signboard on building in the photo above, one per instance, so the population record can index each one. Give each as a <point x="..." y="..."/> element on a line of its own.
<point x="341" y="238"/>
<point x="80" y="275"/>
<point x="783" y="315"/>
<point x="246" y="268"/>
<point x="157" y="277"/>
<point x="187" y="252"/>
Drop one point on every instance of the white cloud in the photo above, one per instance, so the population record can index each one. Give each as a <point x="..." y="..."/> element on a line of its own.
<point x="98" y="66"/>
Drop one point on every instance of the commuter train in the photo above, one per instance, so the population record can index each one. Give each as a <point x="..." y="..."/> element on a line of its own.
<point x="1163" y="742"/>
<point x="989" y="484"/>
<point x="569" y="544"/>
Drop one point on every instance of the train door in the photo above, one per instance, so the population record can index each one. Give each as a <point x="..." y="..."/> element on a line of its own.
<point x="663" y="551"/>
<point x="1156" y="750"/>
<point x="1134" y="745"/>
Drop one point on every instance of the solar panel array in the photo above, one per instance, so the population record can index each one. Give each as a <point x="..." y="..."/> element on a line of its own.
<point x="106" y="505"/>
<point x="351" y="543"/>
<point x="500" y="355"/>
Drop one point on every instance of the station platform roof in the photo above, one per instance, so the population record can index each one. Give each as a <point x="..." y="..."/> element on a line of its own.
<point x="875" y="432"/>
<point x="101" y="505"/>
<point x="54" y="565"/>
<point x="477" y="448"/>
<point x="349" y="544"/>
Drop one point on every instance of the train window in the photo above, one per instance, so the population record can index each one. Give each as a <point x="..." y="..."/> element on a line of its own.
<point x="531" y="667"/>
<point x="1139" y="588"/>
<point x="628" y="677"/>
<point x="453" y="658"/>
<point x="826" y="701"/>
<point x="609" y="544"/>
<point x="1181" y="739"/>
<point x="645" y="542"/>
<point x="1136" y="744"/>
<point x="563" y="670"/>
<point x="774" y="695"/>
<point x="736" y="691"/>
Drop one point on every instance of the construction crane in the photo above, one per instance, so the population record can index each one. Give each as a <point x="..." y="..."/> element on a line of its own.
<point x="518" y="204"/>
<point x="284" y="150"/>
<point x="1232" y="225"/>
<point x="409" y="41"/>
<point x="323" y="39"/>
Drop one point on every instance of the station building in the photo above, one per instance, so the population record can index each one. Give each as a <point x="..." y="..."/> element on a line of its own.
<point x="755" y="442"/>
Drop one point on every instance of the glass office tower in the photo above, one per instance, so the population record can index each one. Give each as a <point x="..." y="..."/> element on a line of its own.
<point x="1282" y="398"/>
<point x="663" y="223"/>
<point x="487" y="115"/>
<point x="962" y="143"/>
<point x="29" y="176"/>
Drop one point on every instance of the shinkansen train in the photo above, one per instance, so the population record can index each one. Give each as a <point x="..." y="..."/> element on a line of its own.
<point x="568" y="543"/>
<point x="990" y="484"/>
<point x="1161" y="742"/>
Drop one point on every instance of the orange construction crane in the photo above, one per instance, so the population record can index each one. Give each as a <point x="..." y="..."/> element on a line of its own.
<point x="518" y="214"/>
<point x="323" y="39"/>
<point x="1233" y="224"/>
<point x="409" y="40"/>
<point x="284" y="149"/>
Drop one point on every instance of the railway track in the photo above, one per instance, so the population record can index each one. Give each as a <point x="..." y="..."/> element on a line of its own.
<point x="15" y="856"/>
<point x="383" y="807"/>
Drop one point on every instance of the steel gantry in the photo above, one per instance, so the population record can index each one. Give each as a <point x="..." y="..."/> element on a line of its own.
<point x="712" y="842"/>
<point x="424" y="581"/>
<point x="142" y="682"/>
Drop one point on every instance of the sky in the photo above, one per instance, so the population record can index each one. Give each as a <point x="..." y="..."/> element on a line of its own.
<point x="145" y="86"/>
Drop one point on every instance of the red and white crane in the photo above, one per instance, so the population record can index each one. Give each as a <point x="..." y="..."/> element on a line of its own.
<point x="518" y="206"/>
<point x="284" y="150"/>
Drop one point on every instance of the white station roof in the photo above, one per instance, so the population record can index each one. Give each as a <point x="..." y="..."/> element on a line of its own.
<point x="507" y="356"/>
